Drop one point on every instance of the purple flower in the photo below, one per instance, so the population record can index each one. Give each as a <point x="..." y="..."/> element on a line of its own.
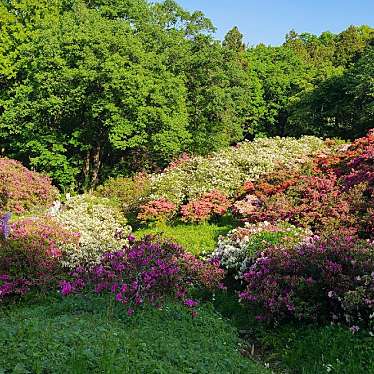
<point x="66" y="288"/>
<point x="131" y="238"/>
<point x="4" y="225"/>
<point x="189" y="303"/>
<point x="130" y="312"/>
<point x="354" y="329"/>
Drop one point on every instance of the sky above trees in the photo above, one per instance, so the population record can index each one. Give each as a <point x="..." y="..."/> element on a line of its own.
<point x="267" y="21"/>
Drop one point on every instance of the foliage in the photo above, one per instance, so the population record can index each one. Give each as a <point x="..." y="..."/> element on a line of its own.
<point x="241" y="246"/>
<point x="101" y="228"/>
<point x="22" y="190"/>
<point x="316" y="280"/>
<point x="335" y="349"/>
<point x="128" y="193"/>
<point x="146" y="271"/>
<point x="31" y="255"/>
<point x="126" y="80"/>
<point x="210" y="204"/>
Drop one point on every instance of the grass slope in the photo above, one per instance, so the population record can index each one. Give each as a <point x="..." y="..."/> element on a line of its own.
<point x="93" y="335"/>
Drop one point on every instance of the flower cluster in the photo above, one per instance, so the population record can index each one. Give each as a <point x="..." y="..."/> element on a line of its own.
<point x="145" y="271"/>
<point x="241" y="246"/>
<point x="211" y="203"/>
<point x="160" y="210"/>
<point x="318" y="279"/>
<point x="101" y="228"/>
<point x="23" y="190"/>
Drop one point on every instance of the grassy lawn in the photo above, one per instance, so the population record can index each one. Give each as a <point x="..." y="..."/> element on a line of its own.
<point x="93" y="335"/>
<point x="196" y="239"/>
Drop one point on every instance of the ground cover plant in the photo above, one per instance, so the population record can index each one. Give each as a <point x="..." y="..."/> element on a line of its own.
<point x="197" y="239"/>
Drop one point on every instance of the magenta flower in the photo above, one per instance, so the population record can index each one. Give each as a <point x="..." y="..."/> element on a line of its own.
<point x="66" y="288"/>
<point x="189" y="303"/>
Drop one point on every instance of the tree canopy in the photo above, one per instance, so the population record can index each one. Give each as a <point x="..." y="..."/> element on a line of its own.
<point x="97" y="88"/>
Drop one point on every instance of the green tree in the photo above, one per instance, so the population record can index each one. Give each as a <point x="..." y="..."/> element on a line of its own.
<point x="234" y="40"/>
<point x="85" y="91"/>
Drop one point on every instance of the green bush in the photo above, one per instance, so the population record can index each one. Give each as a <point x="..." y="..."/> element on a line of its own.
<point x="128" y="193"/>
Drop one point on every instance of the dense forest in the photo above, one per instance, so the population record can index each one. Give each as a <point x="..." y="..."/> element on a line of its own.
<point x="92" y="88"/>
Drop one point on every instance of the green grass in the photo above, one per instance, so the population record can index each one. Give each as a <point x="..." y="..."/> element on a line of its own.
<point x="93" y="335"/>
<point x="301" y="348"/>
<point x="320" y="349"/>
<point x="196" y="239"/>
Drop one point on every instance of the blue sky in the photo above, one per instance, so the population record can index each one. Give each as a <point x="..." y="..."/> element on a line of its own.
<point x="268" y="21"/>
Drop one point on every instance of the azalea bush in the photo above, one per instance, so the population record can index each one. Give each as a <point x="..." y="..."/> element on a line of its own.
<point x="228" y="169"/>
<point x="31" y="254"/>
<point x="22" y="190"/>
<point x="313" y="201"/>
<point x="316" y="280"/>
<point x="336" y="194"/>
<point x="100" y="225"/>
<point x="213" y="203"/>
<point x="146" y="271"/>
<point x="241" y="246"/>
<point x="160" y="210"/>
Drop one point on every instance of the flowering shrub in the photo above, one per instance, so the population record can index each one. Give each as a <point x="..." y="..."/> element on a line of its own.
<point x="30" y="256"/>
<point x="338" y="196"/>
<point x="211" y="203"/>
<point x="23" y="190"/>
<point x="146" y="271"/>
<point x="318" y="279"/>
<point x="160" y="210"/>
<point x="241" y="246"/>
<point x="314" y="201"/>
<point x="101" y="228"/>
<point x="228" y="169"/>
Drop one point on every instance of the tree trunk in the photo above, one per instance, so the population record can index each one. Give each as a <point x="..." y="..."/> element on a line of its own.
<point x="282" y="122"/>
<point x="95" y="165"/>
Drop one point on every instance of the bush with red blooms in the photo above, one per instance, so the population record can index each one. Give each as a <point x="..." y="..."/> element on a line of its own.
<point x="316" y="202"/>
<point x="29" y="255"/>
<point x="210" y="204"/>
<point x="146" y="271"/>
<point x="338" y="196"/>
<point x="160" y="210"/>
<point x="317" y="280"/>
<point x="23" y="190"/>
